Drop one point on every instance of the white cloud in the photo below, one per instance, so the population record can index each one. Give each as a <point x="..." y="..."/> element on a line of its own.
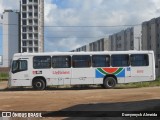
<point x="88" y="13"/>
<point x="93" y="13"/>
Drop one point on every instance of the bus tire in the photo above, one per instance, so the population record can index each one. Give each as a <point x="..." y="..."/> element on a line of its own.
<point x="39" y="84"/>
<point x="109" y="83"/>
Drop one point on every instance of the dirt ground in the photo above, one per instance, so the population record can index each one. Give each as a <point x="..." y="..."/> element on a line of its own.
<point x="82" y="99"/>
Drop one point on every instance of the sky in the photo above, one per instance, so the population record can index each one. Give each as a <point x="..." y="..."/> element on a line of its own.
<point x="73" y="23"/>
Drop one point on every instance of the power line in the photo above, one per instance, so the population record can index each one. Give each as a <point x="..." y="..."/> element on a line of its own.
<point x="78" y="26"/>
<point x="98" y="26"/>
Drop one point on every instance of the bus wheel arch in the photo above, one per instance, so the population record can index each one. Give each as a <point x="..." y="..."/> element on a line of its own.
<point x="109" y="81"/>
<point x="39" y="83"/>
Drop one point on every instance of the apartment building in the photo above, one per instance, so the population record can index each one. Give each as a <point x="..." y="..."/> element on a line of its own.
<point x="99" y="45"/>
<point x="32" y="26"/>
<point x="151" y="37"/>
<point x="128" y="39"/>
<point x="10" y="25"/>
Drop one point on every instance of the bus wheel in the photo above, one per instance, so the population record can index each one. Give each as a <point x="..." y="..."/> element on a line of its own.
<point x="39" y="84"/>
<point x="109" y="82"/>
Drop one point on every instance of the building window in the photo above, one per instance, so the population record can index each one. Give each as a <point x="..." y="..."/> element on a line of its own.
<point x="24" y="8"/>
<point x="36" y="1"/>
<point x="131" y="43"/>
<point x="30" y="36"/>
<point x="36" y="36"/>
<point x="119" y="60"/>
<point x="41" y="62"/>
<point x="24" y="36"/>
<point x="30" y="29"/>
<point x="30" y="43"/>
<point x="24" y="29"/>
<point x="35" y="43"/>
<point x="35" y="49"/>
<point x="35" y="7"/>
<point x="24" y="15"/>
<point x="36" y="22"/>
<point x="35" y="14"/>
<point x="30" y="14"/>
<point x="30" y="0"/>
<point x="61" y="61"/>
<point x="30" y="50"/>
<point x="35" y="29"/>
<point x="81" y="61"/>
<point x="30" y="8"/>
<point x="24" y="49"/>
<point x="100" y="60"/>
<point x="24" y="1"/>
<point x="139" y="60"/>
<point x="30" y="22"/>
<point x="24" y="22"/>
<point x="24" y="43"/>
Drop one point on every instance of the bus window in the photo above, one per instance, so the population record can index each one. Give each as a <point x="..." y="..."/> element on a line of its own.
<point x="81" y="61"/>
<point x="61" y="61"/>
<point x="100" y="60"/>
<point x="139" y="60"/>
<point x="41" y="62"/>
<point x="19" y="65"/>
<point x="119" y="60"/>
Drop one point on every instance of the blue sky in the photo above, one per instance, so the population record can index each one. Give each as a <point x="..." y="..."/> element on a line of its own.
<point x="87" y="13"/>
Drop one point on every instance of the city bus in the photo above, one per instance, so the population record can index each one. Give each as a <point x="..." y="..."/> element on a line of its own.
<point x="106" y="68"/>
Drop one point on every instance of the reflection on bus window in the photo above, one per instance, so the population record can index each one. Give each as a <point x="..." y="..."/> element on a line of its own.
<point x="19" y="65"/>
<point x="41" y="62"/>
<point x="81" y="61"/>
<point x="61" y="61"/>
<point x="100" y="61"/>
<point x="139" y="60"/>
<point x="120" y="60"/>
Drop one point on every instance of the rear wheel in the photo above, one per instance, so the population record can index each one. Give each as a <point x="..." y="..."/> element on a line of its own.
<point x="39" y="84"/>
<point x="109" y="82"/>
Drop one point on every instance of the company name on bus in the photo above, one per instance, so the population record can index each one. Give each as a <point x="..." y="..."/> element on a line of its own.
<point x="61" y="72"/>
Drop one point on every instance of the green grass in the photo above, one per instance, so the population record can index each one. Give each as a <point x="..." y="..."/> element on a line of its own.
<point x="4" y="76"/>
<point x="140" y="84"/>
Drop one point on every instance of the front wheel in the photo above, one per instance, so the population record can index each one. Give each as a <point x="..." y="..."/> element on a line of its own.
<point x="39" y="84"/>
<point x="109" y="82"/>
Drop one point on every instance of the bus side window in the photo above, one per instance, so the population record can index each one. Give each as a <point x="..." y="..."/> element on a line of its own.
<point x="61" y="61"/>
<point x="120" y="60"/>
<point x="139" y="60"/>
<point x="41" y="62"/>
<point x="81" y="61"/>
<point x="100" y="60"/>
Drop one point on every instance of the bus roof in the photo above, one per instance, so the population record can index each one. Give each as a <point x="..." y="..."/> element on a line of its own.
<point x="83" y="53"/>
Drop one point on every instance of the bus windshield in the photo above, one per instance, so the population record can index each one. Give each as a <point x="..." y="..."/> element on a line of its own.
<point x="19" y="65"/>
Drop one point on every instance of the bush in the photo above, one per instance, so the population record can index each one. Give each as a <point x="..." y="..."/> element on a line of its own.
<point x="4" y="76"/>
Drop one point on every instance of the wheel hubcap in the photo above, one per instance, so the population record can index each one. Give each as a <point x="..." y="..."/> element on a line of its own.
<point x="38" y="84"/>
<point x="110" y="83"/>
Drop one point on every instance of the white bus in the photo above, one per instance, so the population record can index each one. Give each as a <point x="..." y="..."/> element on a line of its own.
<point x="106" y="68"/>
